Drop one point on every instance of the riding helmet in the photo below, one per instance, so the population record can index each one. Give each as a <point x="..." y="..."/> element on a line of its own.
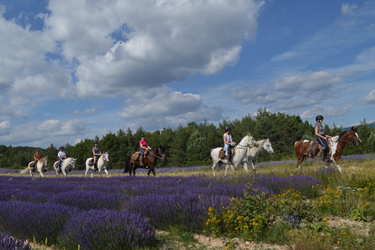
<point x="95" y="142"/>
<point x="319" y="117"/>
<point x="227" y="128"/>
<point x="142" y="135"/>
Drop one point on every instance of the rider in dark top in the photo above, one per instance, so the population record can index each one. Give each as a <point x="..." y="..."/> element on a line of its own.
<point x="321" y="137"/>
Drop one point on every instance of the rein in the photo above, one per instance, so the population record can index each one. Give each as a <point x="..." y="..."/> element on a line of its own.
<point x="349" y="139"/>
<point x="248" y="145"/>
<point x="155" y="155"/>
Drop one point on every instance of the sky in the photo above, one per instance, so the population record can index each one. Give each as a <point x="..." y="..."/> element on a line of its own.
<point x="74" y="69"/>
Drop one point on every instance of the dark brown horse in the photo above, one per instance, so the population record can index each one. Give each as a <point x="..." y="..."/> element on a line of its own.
<point x="152" y="156"/>
<point x="305" y="149"/>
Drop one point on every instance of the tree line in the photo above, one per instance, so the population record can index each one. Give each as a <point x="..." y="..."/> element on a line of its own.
<point x="190" y="145"/>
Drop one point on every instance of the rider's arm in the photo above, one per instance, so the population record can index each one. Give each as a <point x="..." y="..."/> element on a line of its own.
<point x="317" y="133"/>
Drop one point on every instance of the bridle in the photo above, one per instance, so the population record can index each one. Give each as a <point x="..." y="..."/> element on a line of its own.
<point x="156" y="155"/>
<point x="350" y="138"/>
<point x="250" y="144"/>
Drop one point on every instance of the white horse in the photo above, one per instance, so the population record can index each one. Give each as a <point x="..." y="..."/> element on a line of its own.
<point x="240" y="155"/>
<point x="101" y="164"/>
<point x="67" y="166"/>
<point x="253" y="153"/>
<point x="40" y="167"/>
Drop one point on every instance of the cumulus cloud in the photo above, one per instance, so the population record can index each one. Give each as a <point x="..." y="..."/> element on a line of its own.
<point x="291" y="92"/>
<point x="190" y="37"/>
<point x="327" y="111"/>
<point x="370" y="98"/>
<point x="163" y="107"/>
<point x="4" y="128"/>
<point x="44" y="133"/>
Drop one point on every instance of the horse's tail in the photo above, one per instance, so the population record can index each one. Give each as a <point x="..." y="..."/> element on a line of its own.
<point x="128" y="164"/>
<point x="24" y="171"/>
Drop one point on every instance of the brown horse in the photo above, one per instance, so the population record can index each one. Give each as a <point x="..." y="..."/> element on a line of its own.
<point x="149" y="162"/>
<point x="305" y="149"/>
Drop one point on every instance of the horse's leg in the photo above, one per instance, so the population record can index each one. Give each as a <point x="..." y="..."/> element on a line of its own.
<point x="245" y="166"/>
<point x="153" y="171"/>
<point x="63" y="170"/>
<point x="105" y="170"/>
<point x="87" y="170"/>
<point x="300" y="161"/>
<point x="226" y="169"/>
<point x="213" y="167"/>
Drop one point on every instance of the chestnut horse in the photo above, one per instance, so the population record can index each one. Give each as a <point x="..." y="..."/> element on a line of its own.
<point x="149" y="162"/>
<point x="336" y="143"/>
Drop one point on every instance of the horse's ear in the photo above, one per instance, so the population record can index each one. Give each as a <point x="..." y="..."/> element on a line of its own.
<point x="352" y="128"/>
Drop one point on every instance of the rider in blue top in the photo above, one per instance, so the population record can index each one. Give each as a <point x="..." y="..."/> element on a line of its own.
<point x="321" y="137"/>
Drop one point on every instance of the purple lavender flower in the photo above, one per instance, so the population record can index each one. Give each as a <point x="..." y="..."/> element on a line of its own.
<point x="8" y="242"/>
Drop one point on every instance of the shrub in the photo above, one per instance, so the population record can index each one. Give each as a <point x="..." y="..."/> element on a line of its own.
<point x="107" y="229"/>
<point x="35" y="220"/>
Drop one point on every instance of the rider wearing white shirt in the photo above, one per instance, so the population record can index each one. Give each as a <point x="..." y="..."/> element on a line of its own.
<point x="62" y="156"/>
<point x="228" y="142"/>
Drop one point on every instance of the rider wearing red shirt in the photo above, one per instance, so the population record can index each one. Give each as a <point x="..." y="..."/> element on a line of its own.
<point x="143" y="147"/>
<point x="37" y="157"/>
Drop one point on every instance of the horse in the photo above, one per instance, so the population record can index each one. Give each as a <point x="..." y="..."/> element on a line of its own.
<point x="253" y="153"/>
<point x="67" y="166"/>
<point x="240" y="156"/>
<point x="336" y="143"/>
<point x="40" y="167"/>
<point x="149" y="161"/>
<point x="101" y="164"/>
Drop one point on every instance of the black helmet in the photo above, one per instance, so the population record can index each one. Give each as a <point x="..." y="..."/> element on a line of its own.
<point x="319" y="117"/>
<point x="95" y="142"/>
<point x="142" y="135"/>
<point x="227" y="128"/>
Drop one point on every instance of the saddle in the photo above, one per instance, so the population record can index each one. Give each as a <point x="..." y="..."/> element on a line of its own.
<point x="91" y="162"/>
<point x="315" y="149"/>
<point x="136" y="155"/>
<point x="222" y="152"/>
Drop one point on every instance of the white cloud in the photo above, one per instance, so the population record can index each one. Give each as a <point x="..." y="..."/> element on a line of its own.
<point x="370" y="98"/>
<point x="4" y="128"/>
<point x="190" y="37"/>
<point x="326" y="111"/>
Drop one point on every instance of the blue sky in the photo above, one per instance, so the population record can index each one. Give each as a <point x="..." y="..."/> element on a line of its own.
<point x="71" y="70"/>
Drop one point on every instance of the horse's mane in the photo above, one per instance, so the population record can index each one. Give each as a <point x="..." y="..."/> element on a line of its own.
<point x="342" y="133"/>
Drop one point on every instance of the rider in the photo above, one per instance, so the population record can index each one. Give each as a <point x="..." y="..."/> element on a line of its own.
<point x="143" y="147"/>
<point x="321" y="137"/>
<point x="228" y="144"/>
<point x="37" y="157"/>
<point x="62" y="157"/>
<point x="96" y="154"/>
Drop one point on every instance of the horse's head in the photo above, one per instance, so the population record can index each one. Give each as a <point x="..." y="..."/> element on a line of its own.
<point x="354" y="136"/>
<point x="251" y="141"/>
<point x="72" y="162"/>
<point x="350" y="136"/>
<point x="267" y="146"/>
<point x="161" y="153"/>
<point x="105" y="156"/>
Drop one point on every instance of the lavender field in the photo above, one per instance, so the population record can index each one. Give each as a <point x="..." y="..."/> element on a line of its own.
<point x="125" y="212"/>
<point x="120" y="212"/>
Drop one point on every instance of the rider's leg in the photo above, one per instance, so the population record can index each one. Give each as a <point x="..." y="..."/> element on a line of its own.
<point x="324" y="143"/>
<point x="141" y="163"/>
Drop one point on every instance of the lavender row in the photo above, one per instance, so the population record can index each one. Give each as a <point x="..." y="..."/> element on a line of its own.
<point x="8" y="242"/>
<point x="107" y="229"/>
<point x="70" y="227"/>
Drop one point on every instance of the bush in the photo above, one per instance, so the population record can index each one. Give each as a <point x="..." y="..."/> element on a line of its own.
<point x="107" y="229"/>
<point x="7" y="242"/>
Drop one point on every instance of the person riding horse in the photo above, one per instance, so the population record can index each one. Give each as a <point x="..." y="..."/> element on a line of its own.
<point x="37" y="157"/>
<point x="62" y="156"/>
<point x="96" y="154"/>
<point x="228" y="144"/>
<point x="321" y="137"/>
<point x="143" y="147"/>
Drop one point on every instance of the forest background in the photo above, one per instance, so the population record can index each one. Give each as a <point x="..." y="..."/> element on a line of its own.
<point x="191" y="145"/>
